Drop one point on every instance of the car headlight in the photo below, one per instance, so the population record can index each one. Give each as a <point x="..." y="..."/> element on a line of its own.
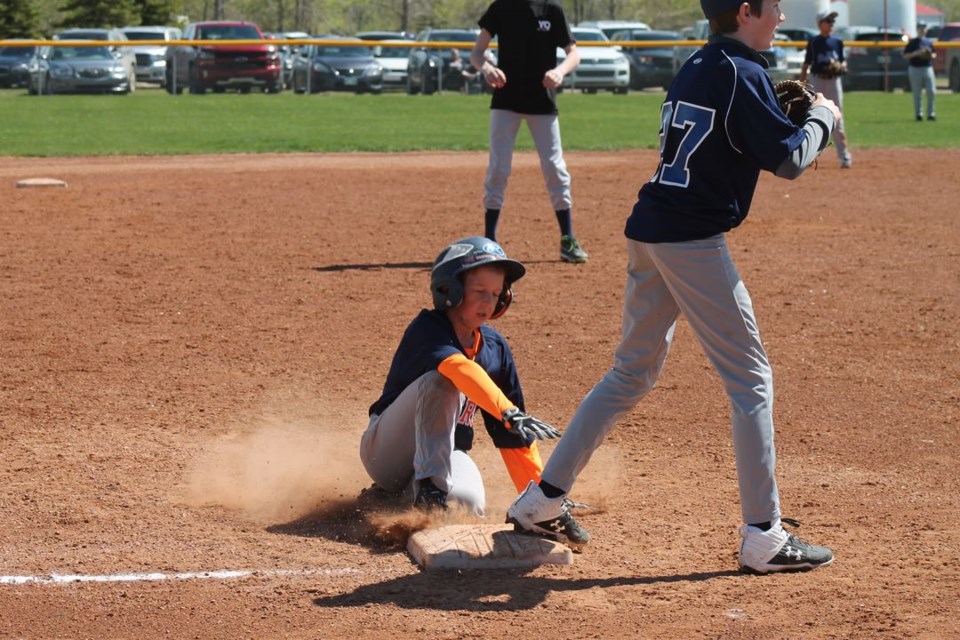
<point x="372" y="71"/>
<point x="117" y="69"/>
<point x="319" y="67"/>
<point x="621" y="59"/>
<point x="61" y="72"/>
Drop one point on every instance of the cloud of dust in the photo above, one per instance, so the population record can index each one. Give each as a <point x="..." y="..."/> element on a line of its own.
<point x="282" y="470"/>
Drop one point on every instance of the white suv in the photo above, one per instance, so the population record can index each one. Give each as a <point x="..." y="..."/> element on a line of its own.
<point x="151" y="58"/>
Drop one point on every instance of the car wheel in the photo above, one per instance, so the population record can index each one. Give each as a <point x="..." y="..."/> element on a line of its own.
<point x="427" y="88"/>
<point x="621" y="91"/>
<point x="411" y="90"/>
<point x="954" y="76"/>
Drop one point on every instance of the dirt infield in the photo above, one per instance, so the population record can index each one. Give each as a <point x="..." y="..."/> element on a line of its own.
<point x="190" y="345"/>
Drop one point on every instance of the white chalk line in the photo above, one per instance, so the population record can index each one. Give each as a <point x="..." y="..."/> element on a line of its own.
<point x="225" y="574"/>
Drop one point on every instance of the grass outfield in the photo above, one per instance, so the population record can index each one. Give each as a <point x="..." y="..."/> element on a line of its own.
<point x="152" y="122"/>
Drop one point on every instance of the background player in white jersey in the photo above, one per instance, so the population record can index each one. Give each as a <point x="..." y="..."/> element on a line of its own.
<point x="721" y="124"/>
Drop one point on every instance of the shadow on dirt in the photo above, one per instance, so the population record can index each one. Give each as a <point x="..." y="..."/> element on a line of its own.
<point x="499" y="590"/>
<point x="375" y="519"/>
<point x="374" y="266"/>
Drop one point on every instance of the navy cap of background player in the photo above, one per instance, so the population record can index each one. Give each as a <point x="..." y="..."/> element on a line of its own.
<point x="713" y="8"/>
<point x="829" y="16"/>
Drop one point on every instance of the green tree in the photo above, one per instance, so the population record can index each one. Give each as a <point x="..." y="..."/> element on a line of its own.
<point x="18" y="19"/>
<point x="99" y="13"/>
<point x="155" y="12"/>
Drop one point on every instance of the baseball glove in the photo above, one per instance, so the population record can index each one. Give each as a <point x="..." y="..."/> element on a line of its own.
<point x="795" y="99"/>
<point x="924" y="54"/>
<point x="834" y="69"/>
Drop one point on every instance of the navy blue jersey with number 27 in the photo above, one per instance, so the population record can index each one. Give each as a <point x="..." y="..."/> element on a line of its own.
<point x="720" y="125"/>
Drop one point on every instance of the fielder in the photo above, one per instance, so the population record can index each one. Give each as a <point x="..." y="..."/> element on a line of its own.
<point x="721" y="124"/>
<point x="826" y="64"/>
<point x="449" y="365"/>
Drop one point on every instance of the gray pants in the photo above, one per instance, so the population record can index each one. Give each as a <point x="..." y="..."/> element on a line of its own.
<point x="922" y="79"/>
<point x="545" y="130"/>
<point x="700" y="280"/>
<point x="832" y="89"/>
<point x="413" y="440"/>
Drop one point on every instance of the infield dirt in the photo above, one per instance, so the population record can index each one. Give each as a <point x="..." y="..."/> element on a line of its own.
<point x="190" y="345"/>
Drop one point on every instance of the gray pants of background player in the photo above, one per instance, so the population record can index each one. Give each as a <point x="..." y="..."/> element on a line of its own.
<point x="922" y="79"/>
<point x="833" y="90"/>
<point x="545" y="130"/>
<point x="413" y="439"/>
<point x="699" y="280"/>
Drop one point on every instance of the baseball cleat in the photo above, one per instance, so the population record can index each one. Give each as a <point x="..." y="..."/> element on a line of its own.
<point x="535" y="514"/>
<point x="429" y="497"/>
<point x="776" y="550"/>
<point x="570" y="250"/>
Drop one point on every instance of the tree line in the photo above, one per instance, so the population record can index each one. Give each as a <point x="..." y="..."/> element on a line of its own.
<point x="42" y="18"/>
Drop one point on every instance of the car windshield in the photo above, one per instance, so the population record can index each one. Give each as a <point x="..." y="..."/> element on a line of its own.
<point x="344" y="52"/>
<point x="84" y="35"/>
<point x="143" y="35"/>
<point x="456" y="36"/>
<point x="81" y="53"/>
<point x="589" y="36"/>
<point x="878" y="36"/>
<point x="16" y="52"/>
<point x="394" y="52"/>
<point x="233" y="32"/>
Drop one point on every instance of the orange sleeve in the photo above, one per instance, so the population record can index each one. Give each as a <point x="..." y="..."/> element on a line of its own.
<point x="523" y="465"/>
<point x="473" y="382"/>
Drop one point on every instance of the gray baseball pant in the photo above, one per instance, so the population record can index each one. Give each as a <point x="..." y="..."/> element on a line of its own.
<point x="545" y="130"/>
<point x="922" y="79"/>
<point x="413" y="439"/>
<point x="832" y="89"/>
<point x="700" y="280"/>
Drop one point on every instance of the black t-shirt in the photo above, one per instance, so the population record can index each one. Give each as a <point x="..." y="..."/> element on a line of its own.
<point x="529" y="33"/>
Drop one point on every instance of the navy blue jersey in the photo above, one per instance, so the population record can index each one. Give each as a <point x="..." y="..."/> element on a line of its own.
<point x="820" y="51"/>
<point x="528" y="33"/>
<point x="720" y="125"/>
<point x="916" y="44"/>
<point x="429" y="340"/>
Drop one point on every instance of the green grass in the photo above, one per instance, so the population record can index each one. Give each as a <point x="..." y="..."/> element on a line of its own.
<point x="153" y="122"/>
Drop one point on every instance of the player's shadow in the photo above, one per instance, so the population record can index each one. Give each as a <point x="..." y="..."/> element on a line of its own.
<point x="377" y="266"/>
<point x="488" y="590"/>
<point x="373" y="266"/>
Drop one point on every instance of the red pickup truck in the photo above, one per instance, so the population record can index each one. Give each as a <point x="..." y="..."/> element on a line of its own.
<point x="220" y="67"/>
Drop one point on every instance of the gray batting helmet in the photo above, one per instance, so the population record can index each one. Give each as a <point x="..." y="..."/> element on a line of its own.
<point x="446" y="282"/>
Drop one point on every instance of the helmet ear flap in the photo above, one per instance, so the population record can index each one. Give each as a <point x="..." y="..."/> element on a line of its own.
<point x="503" y="303"/>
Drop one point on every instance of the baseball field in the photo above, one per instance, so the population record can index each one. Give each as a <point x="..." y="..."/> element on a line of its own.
<point x="190" y="345"/>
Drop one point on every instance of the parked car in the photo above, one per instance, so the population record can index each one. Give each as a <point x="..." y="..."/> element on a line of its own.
<point x="429" y="68"/>
<point x="776" y="56"/>
<point x="124" y="53"/>
<point x="948" y="32"/>
<point x="346" y="66"/>
<point x="793" y="55"/>
<point x="151" y="58"/>
<point x="203" y="67"/>
<point x="601" y="67"/>
<point x="287" y="52"/>
<point x="873" y="68"/>
<point x="15" y="65"/>
<point x="798" y="34"/>
<point x="384" y="35"/>
<point x="393" y="60"/>
<point x="83" y="68"/>
<point x="610" y="27"/>
<point x="649" y="66"/>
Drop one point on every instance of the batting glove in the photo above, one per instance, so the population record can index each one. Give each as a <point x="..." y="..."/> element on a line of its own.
<point x="528" y="427"/>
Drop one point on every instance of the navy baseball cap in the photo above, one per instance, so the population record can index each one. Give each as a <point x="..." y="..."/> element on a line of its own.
<point x="713" y="8"/>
